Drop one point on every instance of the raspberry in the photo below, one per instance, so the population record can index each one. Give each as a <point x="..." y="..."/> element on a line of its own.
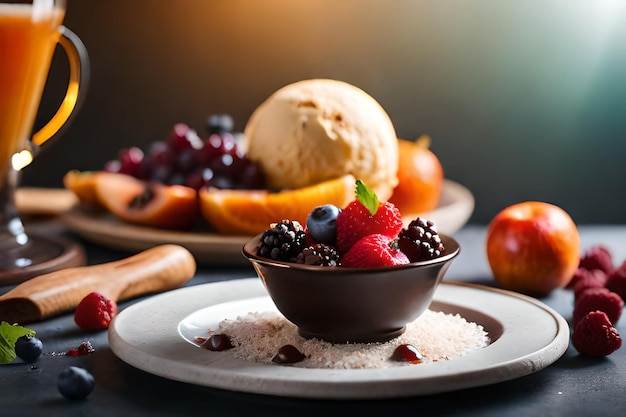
<point x="374" y="251"/>
<point x="366" y="216"/>
<point x="600" y="299"/>
<point x="595" y="336"/>
<point x="283" y="242"/>
<point x="319" y="254"/>
<point x="95" y="312"/>
<point x="420" y="240"/>
<point x="616" y="281"/>
<point x="85" y="348"/>
<point x="597" y="257"/>
<point x="587" y="278"/>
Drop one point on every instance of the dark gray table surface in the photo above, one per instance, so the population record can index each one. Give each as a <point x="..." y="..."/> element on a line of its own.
<point x="572" y="386"/>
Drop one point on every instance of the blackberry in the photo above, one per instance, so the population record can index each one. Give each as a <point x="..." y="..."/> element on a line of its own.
<point x="283" y="242"/>
<point x="420" y="240"/>
<point x="319" y="254"/>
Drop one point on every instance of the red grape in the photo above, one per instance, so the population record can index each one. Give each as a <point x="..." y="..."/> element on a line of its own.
<point x="184" y="158"/>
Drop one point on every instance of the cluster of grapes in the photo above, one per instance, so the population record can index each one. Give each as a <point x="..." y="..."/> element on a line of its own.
<point x="184" y="158"/>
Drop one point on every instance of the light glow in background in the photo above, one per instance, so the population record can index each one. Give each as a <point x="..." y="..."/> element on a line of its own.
<point x="524" y="100"/>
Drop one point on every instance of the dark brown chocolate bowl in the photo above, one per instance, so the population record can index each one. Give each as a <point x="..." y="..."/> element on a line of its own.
<point x="351" y="305"/>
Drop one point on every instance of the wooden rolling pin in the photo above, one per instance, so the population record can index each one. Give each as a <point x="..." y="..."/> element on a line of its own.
<point x="160" y="268"/>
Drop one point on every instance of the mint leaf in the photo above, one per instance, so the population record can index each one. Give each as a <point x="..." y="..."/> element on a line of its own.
<point x="367" y="197"/>
<point x="9" y="333"/>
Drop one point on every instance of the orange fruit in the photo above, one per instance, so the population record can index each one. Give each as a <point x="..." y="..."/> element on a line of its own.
<point x="82" y="183"/>
<point x="420" y="177"/>
<point x="249" y="212"/>
<point x="533" y="247"/>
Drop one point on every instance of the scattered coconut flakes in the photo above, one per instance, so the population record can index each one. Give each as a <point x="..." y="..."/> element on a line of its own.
<point x="257" y="336"/>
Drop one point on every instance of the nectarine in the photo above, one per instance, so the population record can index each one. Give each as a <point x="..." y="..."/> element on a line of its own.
<point x="533" y="247"/>
<point x="248" y="212"/>
<point x="420" y="177"/>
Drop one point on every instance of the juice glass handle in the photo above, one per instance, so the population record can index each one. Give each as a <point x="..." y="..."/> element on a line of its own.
<point x="79" y="79"/>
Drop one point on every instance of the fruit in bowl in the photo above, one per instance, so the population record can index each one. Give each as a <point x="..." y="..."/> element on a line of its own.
<point x="185" y="182"/>
<point x="364" y="285"/>
<point x="298" y="149"/>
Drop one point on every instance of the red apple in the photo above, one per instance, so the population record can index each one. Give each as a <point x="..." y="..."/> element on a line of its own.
<point x="533" y="247"/>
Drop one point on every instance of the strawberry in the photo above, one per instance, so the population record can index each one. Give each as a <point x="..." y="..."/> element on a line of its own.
<point x="601" y="299"/>
<point x="595" y="336"/>
<point x="95" y="312"/>
<point x="373" y="251"/>
<point x="366" y="216"/>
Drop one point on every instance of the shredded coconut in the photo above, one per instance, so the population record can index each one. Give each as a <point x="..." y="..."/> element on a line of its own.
<point x="257" y="336"/>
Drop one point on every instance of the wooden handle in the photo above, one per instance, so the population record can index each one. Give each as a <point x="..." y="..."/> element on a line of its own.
<point x="160" y="268"/>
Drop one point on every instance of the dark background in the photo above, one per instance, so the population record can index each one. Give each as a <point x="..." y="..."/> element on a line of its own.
<point x="523" y="100"/>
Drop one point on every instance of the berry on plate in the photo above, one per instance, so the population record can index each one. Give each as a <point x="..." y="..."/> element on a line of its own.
<point x="373" y="251"/>
<point x="594" y="335"/>
<point x="184" y="158"/>
<point x="95" y="312"/>
<point x="366" y="215"/>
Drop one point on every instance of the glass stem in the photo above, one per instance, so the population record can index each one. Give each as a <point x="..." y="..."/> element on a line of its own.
<point x="12" y="233"/>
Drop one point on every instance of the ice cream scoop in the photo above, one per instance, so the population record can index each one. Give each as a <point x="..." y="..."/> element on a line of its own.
<point x="318" y="129"/>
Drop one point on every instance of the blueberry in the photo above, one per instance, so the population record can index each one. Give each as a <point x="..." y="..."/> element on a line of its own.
<point x="322" y="223"/>
<point x="28" y="348"/>
<point x="75" y="383"/>
<point x="220" y="123"/>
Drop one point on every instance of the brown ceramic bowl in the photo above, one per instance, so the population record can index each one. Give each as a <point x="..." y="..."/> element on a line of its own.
<point x="351" y="305"/>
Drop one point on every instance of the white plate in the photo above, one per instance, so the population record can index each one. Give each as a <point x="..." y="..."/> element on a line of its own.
<point x="455" y="208"/>
<point x="155" y="336"/>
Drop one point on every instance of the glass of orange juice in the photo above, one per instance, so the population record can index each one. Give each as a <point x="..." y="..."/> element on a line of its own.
<point x="29" y="34"/>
